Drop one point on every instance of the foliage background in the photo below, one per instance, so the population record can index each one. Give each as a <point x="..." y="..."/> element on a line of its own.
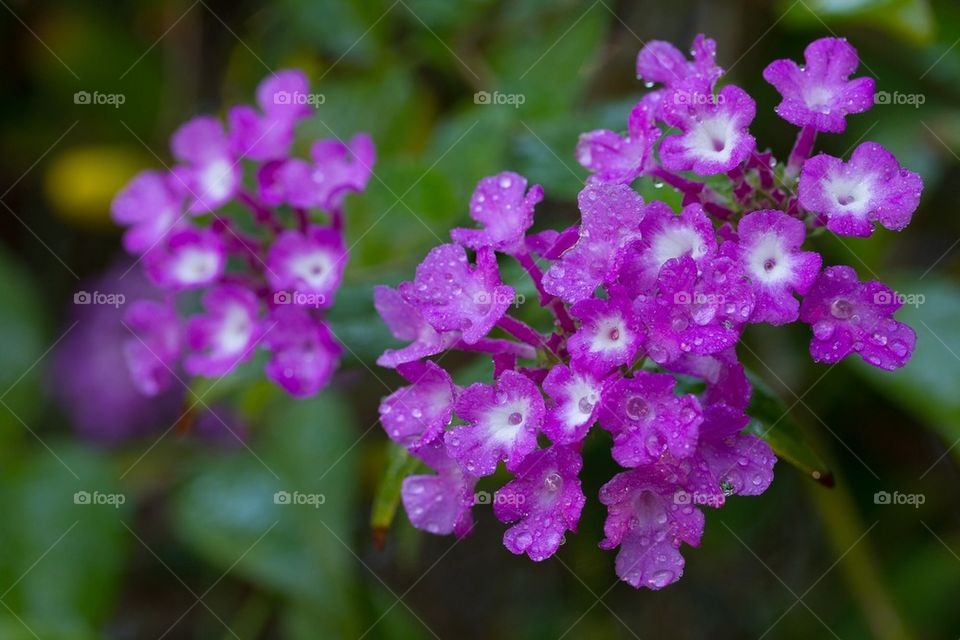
<point x="199" y="549"/>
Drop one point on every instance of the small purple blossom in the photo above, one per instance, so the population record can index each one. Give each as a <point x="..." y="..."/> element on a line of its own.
<point x="611" y="221"/>
<point x="502" y="204"/>
<point x="417" y="415"/>
<point x="700" y="314"/>
<point x="406" y="323"/>
<point x="611" y="157"/>
<point x="646" y="522"/>
<point x="852" y="196"/>
<point x="439" y="503"/>
<point x="819" y="94"/>
<point x="154" y="346"/>
<point x="187" y="259"/>
<point x="309" y="263"/>
<point x="666" y="235"/>
<point x="742" y="463"/>
<point x="770" y="244"/>
<point x="609" y="334"/>
<point x="150" y="205"/>
<point x="663" y="63"/>
<point x="714" y="136"/>
<point x="455" y="296"/>
<point x="304" y="354"/>
<point x="576" y="403"/>
<point x="226" y="335"/>
<point x="502" y="424"/>
<point x="545" y="501"/>
<point x="210" y="172"/>
<point x="337" y="168"/>
<point x="268" y="135"/>
<point x="848" y="316"/>
<point x="648" y="420"/>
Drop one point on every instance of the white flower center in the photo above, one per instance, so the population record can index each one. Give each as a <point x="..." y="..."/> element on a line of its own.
<point x="195" y="266"/>
<point x="314" y="268"/>
<point x="677" y="241"/>
<point x="851" y="195"/>
<point x="713" y="138"/>
<point x="768" y="260"/>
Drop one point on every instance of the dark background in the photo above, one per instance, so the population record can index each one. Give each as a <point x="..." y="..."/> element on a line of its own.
<point x="200" y="550"/>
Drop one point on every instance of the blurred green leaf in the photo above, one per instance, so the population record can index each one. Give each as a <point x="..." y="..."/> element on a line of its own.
<point x="278" y="513"/>
<point x="771" y="420"/>
<point x="911" y="20"/>
<point x="22" y="343"/>
<point x="63" y="553"/>
<point x="400" y="465"/>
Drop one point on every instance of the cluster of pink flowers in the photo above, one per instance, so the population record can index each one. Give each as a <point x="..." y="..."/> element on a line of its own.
<point x="640" y="295"/>
<point x="266" y="276"/>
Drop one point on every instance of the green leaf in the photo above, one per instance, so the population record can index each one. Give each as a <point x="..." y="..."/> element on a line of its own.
<point x="911" y="20"/>
<point x="278" y="513"/>
<point x="63" y="554"/>
<point x="400" y="465"/>
<point x="770" y="419"/>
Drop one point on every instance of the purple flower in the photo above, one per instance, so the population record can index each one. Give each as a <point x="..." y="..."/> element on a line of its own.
<point x="724" y="375"/>
<point x="151" y="206"/>
<point x="645" y="520"/>
<point x="611" y="221"/>
<point x="848" y="316"/>
<point x="304" y="352"/>
<point x="742" y="463"/>
<point x="621" y="159"/>
<point x="770" y="244"/>
<point x="269" y="135"/>
<point x="502" y="424"/>
<point x="662" y="62"/>
<point x="188" y="258"/>
<point x="697" y="314"/>
<point x="90" y="376"/>
<point x="714" y="137"/>
<point x="337" y="169"/>
<point x="307" y="266"/>
<point x="226" y="335"/>
<point x="818" y="94"/>
<point x="576" y="402"/>
<point x="544" y="500"/>
<point x="609" y="334"/>
<point x="453" y="296"/>
<point x="870" y="188"/>
<point x="210" y="172"/>
<point x="665" y="235"/>
<point x="506" y="213"/>
<point x="417" y="415"/>
<point x="439" y="503"/>
<point x="154" y="346"/>
<point x="407" y="323"/>
<point x="648" y="420"/>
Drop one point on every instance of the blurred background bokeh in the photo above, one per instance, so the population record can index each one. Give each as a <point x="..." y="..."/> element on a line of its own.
<point x="192" y="544"/>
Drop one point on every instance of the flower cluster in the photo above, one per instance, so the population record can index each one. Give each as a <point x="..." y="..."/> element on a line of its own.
<point x="647" y="306"/>
<point x="266" y="276"/>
